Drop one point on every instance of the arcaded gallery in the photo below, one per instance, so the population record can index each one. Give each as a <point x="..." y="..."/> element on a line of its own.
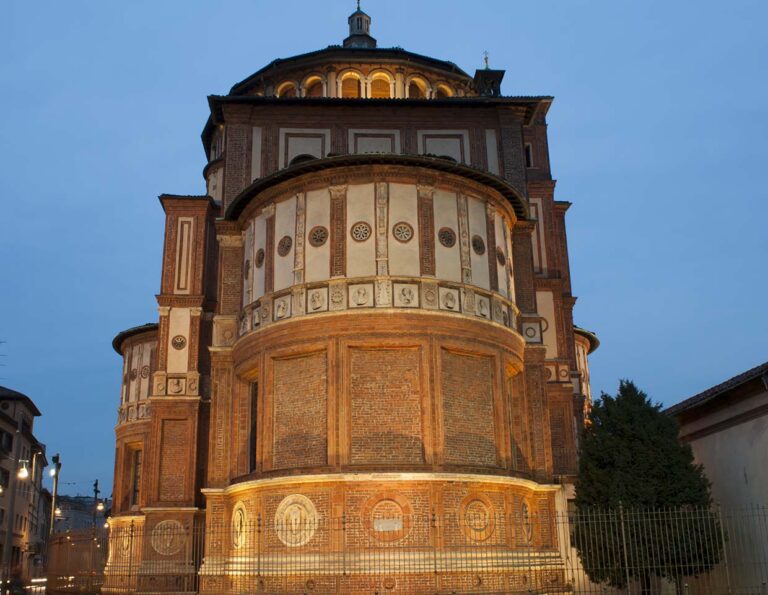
<point x="364" y="375"/>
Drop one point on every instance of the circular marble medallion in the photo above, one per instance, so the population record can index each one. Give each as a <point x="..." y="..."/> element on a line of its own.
<point x="168" y="537"/>
<point x="295" y="520"/>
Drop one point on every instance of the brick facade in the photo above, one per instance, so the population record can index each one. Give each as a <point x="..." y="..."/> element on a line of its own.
<point x="418" y="375"/>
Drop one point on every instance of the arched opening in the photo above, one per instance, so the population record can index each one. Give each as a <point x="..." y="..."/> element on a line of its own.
<point x="381" y="87"/>
<point x="301" y="159"/>
<point x="351" y="87"/>
<point x="443" y="91"/>
<point x="286" y="90"/>
<point x="315" y="88"/>
<point x="417" y="89"/>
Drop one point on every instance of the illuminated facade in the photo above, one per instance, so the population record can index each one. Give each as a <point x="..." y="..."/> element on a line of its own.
<point x="366" y="320"/>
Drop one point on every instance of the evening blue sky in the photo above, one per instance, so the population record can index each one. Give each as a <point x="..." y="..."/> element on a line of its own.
<point x="657" y="136"/>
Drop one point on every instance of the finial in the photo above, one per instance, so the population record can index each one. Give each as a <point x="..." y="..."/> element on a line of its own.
<point x="358" y="4"/>
<point x="485" y="57"/>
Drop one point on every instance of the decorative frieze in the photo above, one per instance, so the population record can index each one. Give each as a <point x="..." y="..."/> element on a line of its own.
<point x="382" y="219"/>
<point x="466" y="264"/>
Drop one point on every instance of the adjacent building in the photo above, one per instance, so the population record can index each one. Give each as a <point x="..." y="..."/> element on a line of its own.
<point x="365" y="345"/>
<point x="24" y="520"/>
<point x="727" y="428"/>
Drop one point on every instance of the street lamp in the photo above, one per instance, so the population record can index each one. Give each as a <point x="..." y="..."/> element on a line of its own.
<point x="55" y="471"/>
<point x="23" y="472"/>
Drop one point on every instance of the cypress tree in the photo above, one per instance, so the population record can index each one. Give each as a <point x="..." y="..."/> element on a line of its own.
<point x="643" y="505"/>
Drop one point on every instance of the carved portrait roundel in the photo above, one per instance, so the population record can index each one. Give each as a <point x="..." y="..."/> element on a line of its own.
<point x="295" y="520"/>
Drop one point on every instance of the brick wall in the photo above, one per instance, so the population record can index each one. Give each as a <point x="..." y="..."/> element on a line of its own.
<point x="300" y="418"/>
<point x="174" y="459"/>
<point x="468" y="419"/>
<point x="386" y="410"/>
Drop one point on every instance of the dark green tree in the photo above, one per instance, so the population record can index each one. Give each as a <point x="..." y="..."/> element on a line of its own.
<point x="643" y="506"/>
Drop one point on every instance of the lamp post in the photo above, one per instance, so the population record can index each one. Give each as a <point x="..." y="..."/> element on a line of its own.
<point x="55" y="474"/>
<point x="97" y="506"/>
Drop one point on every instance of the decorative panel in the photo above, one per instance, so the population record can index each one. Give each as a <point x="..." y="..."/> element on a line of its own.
<point x="448" y="143"/>
<point x="385" y="403"/>
<point x="174" y="453"/>
<point x="468" y="419"/>
<point x="447" y="257"/>
<point x="300" y="417"/>
<point x="303" y="141"/>
<point x="374" y="141"/>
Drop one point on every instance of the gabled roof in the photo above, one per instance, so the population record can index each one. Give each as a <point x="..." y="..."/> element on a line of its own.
<point x="716" y="391"/>
<point x="338" y="53"/>
<point x="8" y="394"/>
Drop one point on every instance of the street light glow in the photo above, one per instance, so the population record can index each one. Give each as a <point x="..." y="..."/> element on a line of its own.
<point x="53" y="472"/>
<point x="23" y="472"/>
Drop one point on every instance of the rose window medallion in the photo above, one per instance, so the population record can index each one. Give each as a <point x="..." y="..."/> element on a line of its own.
<point x="360" y="231"/>
<point x="284" y="246"/>
<point x="318" y="235"/>
<point x="447" y="237"/>
<point x="402" y="231"/>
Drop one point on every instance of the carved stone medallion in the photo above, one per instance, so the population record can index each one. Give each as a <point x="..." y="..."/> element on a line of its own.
<point x="239" y="522"/>
<point x="318" y="235"/>
<point x="477" y="517"/>
<point x="500" y="256"/>
<point x="387" y="516"/>
<point x="447" y="237"/>
<point x="402" y="232"/>
<point x="260" y="258"/>
<point x="478" y="245"/>
<point x="295" y="520"/>
<point x="179" y="342"/>
<point x="360" y="231"/>
<point x="284" y="245"/>
<point x="168" y="537"/>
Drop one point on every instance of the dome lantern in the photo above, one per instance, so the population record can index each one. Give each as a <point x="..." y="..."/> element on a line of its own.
<point x="359" y="30"/>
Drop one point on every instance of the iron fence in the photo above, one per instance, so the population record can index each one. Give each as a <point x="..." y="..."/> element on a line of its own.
<point x="627" y="551"/>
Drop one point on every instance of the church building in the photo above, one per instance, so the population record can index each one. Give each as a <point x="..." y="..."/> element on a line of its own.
<point x="364" y="375"/>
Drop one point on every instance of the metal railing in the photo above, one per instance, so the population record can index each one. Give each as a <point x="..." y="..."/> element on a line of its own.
<point x="628" y="551"/>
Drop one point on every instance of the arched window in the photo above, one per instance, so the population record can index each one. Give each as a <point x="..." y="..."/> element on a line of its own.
<point x="380" y="88"/>
<point x="443" y="91"/>
<point x="315" y="88"/>
<point x="350" y="87"/>
<point x="417" y="89"/>
<point x="301" y="159"/>
<point x="286" y="90"/>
